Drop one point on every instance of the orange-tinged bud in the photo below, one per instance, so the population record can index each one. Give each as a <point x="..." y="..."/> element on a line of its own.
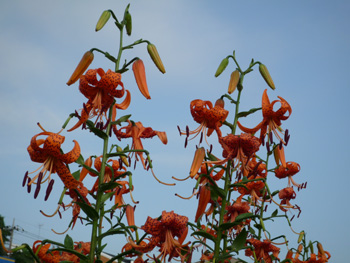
<point x="280" y="158"/>
<point x="140" y="76"/>
<point x="82" y="66"/>
<point x="320" y="249"/>
<point x="103" y="20"/>
<point x="221" y="67"/>
<point x="152" y="51"/>
<point x="233" y="81"/>
<point x="204" y="198"/>
<point x="130" y="217"/>
<point x="197" y="161"/>
<point x="266" y="75"/>
<point x="220" y="103"/>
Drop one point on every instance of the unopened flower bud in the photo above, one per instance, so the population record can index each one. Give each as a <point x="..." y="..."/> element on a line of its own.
<point x="123" y="158"/>
<point x="197" y="161"/>
<point x="220" y="103"/>
<point x="233" y="81"/>
<point x="152" y="51"/>
<point x="128" y="23"/>
<point x="221" y="67"/>
<point x="140" y="76"/>
<point x="301" y="235"/>
<point x="320" y="249"/>
<point x="82" y="66"/>
<point x="266" y="75"/>
<point x="103" y="20"/>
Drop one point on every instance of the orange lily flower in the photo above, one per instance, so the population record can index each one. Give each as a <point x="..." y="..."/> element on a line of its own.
<point x="291" y="169"/>
<point x="262" y="250"/>
<point x="115" y="172"/>
<point x="272" y="119"/>
<point x="240" y="147"/>
<point x="136" y="131"/>
<point x="237" y="208"/>
<point x="52" y="159"/>
<point x="286" y="194"/>
<point x="100" y="94"/>
<point x="210" y="118"/>
<point x="163" y="234"/>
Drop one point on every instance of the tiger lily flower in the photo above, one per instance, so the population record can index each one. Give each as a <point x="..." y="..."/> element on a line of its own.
<point x="262" y="250"/>
<point x="238" y="147"/>
<point x="286" y="194"/>
<point x="115" y="172"/>
<point x="163" y="234"/>
<point x="100" y="94"/>
<point x="289" y="170"/>
<point x="136" y="131"/>
<point x="210" y="118"/>
<point x="48" y="152"/>
<point x="271" y="119"/>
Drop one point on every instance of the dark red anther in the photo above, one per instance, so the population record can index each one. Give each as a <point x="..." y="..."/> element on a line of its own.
<point x="59" y="213"/>
<point x="265" y="208"/>
<point x="135" y="165"/>
<point x="37" y="190"/>
<point x="292" y="218"/>
<point x="287" y="139"/>
<point x="25" y="179"/>
<point x="105" y="126"/>
<point x="49" y="189"/>
<point x="110" y="133"/>
<point x="178" y="127"/>
<point x="29" y="186"/>
<point x="187" y="131"/>
<point x="286" y="133"/>
<point x="211" y="148"/>
<point x="40" y="178"/>
<point x="186" y="141"/>
<point x="280" y="145"/>
<point x="305" y="185"/>
<point x="85" y="109"/>
<point x="201" y="139"/>
<point x="262" y="138"/>
<point x="268" y="147"/>
<point x="270" y="137"/>
<point x="77" y="114"/>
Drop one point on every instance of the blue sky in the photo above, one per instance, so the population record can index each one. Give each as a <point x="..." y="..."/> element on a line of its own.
<point x="305" y="45"/>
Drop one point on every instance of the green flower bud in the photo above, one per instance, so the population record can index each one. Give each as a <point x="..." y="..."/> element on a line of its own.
<point x="152" y="51"/>
<point x="128" y="23"/>
<point x="233" y="81"/>
<point x="221" y="67"/>
<point x="266" y="75"/>
<point x="103" y="20"/>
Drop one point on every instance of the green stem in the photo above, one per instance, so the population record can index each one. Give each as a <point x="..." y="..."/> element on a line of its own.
<point x="96" y="226"/>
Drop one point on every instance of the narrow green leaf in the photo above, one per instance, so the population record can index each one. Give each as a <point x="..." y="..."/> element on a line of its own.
<point x="88" y="210"/>
<point x="106" y="196"/>
<point x="68" y="242"/>
<point x="108" y="186"/>
<point x="246" y="113"/>
<point x="274" y="213"/>
<point x="111" y="232"/>
<point x="244" y="216"/>
<point x="203" y="234"/>
<point x="239" y="242"/>
<point x="96" y="131"/>
<point x="121" y="119"/>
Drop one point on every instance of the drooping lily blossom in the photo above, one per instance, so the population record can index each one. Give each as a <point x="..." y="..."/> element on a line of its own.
<point x="48" y="152"/>
<point x="168" y="233"/>
<point x="235" y="209"/>
<point x="291" y="169"/>
<point x="272" y="120"/>
<point x="114" y="171"/>
<point x="262" y="250"/>
<point x="137" y="131"/>
<point x="321" y="257"/>
<point x="100" y="94"/>
<point x="238" y="147"/>
<point x="54" y="256"/>
<point x="286" y="194"/>
<point x="210" y="118"/>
